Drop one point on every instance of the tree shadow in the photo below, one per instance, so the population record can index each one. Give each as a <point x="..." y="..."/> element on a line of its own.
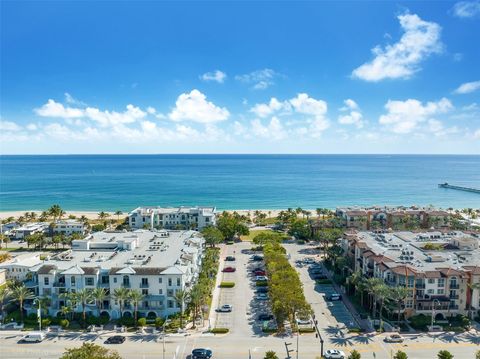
<point x="364" y="339"/>
<point x="472" y="338"/>
<point x="341" y="341"/>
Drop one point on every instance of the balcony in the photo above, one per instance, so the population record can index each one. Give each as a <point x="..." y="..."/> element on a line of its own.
<point x="144" y="285"/>
<point x="453" y="296"/>
<point x="126" y="284"/>
<point x="59" y="285"/>
<point x="420" y="285"/>
<point x="453" y="307"/>
<point x="454" y="286"/>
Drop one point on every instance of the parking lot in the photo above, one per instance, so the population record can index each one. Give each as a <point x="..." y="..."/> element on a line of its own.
<point x="336" y="308"/>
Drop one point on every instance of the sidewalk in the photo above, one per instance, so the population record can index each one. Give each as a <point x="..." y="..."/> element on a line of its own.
<point x="212" y="316"/>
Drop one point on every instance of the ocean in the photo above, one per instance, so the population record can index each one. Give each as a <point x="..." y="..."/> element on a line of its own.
<point x="123" y="182"/>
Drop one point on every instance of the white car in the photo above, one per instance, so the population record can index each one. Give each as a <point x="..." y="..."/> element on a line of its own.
<point x="303" y="321"/>
<point x="334" y="354"/>
<point x="12" y="325"/>
<point x="261" y="278"/>
<point x="34" y="337"/>
<point x="308" y="260"/>
<point x="226" y="308"/>
<point x="394" y="338"/>
<point x="261" y="296"/>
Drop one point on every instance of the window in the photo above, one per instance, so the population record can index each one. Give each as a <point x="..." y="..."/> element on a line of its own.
<point x="89" y="281"/>
<point x="170" y="292"/>
<point x="430" y="291"/>
<point x="170" y="303"/>
<point x="431" y="280"/>
<point x="160" y="280"/>
<point x="145" y="282"/>
<point x="409" y="303"/>
<point x="72" y="281"/>
<point x="46" y="280"/>
<point x="169" y="282"/>
<point x="178" y="282"/>
<point x="114" y="279"/>
<point x="145" y="291"/>
<point x="160" y="291"/>
<point x="440" y="291"/>
<point x="441" y="282"/>
<point x="105" y="279"/>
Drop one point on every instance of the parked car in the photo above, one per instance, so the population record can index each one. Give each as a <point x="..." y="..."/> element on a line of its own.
<point x="261" y="278"/>
<point x="308" y="260"/>
<point x="305" y="321"/>
<point x="318" y="276"/>
<point x="265" y="317"/>
<point x="260" y="272"/>
<point x="334" y="354"/>
<point x="229" y="269"/>
<point x="261" y="296"/>
<point x="226" y="308"/>
<point x="394" y="338"/>
<point x="262" y="290"/>
<point x="230" y="258"/>
<point x="116" y="339"/>
<point x="257" y="269"/>
<point x="257" y="258"/>
<point x="33" y="337"/>
<point x="334" y="297"/>
<point x="202" y="353"/>
<point x="315" y="270"/>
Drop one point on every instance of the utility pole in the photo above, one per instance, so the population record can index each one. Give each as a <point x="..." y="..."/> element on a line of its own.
<point x="288" y="350"/>
<point x="318" y="334"/>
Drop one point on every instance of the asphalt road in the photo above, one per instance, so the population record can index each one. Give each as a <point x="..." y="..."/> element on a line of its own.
<point x="245" y="333"/>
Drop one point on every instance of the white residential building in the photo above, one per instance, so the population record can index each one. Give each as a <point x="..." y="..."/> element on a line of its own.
<point x="157" y="263"/>
<point x="29" y="229"/>
<point x="68" y="227"/>
<point x="18" y="267"/>
<point x="165" y="217"/>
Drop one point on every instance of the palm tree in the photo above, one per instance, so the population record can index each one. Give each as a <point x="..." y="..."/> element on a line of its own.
<point x="5" y="294"/>
<point x="196" y="298"/>
<point x="20" y="294"/>
<point x="33" y="216"/>
<point x="84" y="296"/>
<point x="65" y="310"/>
<point x="181" y="297"/>
<point x="398" y="296"/>
<point x="118" y="214"/>
<point x="99" y="294"/>
<point x="102" y="215"/>
<point x="55" y="211"/>
<point x="72" y="302"/>
<point x="370" y="287"/>
<point x="382" y="293"/>
<point x="135" y="297"/>
<point x="42" y="302"/>
<point x="121" y="295"/>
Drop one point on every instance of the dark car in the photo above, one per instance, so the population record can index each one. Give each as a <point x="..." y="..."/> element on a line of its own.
<point x="264" y="317"/>
<point x="257" y="258"/>
<point x="334" y="297"/>
<point x="229" y="269"/>
<point x="260" y="272"/>
<point x="116" y="339"/>
<point x="258" y="269"/>
<point x="262" y="290"/>
<point x="201" y="353"/>
<point x="315" y="270"/>
<point x="230" y="258"/>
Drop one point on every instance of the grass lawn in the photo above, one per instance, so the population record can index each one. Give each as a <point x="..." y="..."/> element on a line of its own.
<point x="253" y="234"/>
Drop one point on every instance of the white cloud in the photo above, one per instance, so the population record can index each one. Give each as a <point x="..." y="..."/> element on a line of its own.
<point x="404" y="116"/>
<point x="267" y="109"/>
<point x="465" y="9"/>
<point x="72" y="100"/>
<point x="402" y="59"/>
<point x="308" y="106"/>
<point x="107" y="118"/>
<point x="354" y="117"/>
<point x="151" y="110"/>
<point x="8" y="126"/>
<point x="468" y="87"/>
<point x="217" y="76"/>
<point x="274" y="130"/>
<point x="476" y="134"/>
<point x="55" y="109"/>
<point x="260" y="79"/>
<point x="194" y="106"/>
<point x="31" y="127"/>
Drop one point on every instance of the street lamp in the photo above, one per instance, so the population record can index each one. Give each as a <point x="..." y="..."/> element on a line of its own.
<point x="433" y="311"/>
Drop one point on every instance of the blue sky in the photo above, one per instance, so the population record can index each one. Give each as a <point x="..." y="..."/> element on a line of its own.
<point x="240" y="77"/>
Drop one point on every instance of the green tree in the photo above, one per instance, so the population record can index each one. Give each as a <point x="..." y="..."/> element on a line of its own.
<point x="181" y="296"/>
<point x="300" y="228"/>
<point x="99" y="295"/>
<point x="5" y="294"/>
<point x="266" y="237"/>
<point x="118" y="214"/>
<point x="103" y="215"/>
<point x="477" y="355"/>
<point x="400" y="355"/>
<point x="135" y="297"/>
<point x="371" y="285"/>
<point x="354" y="355"/>
<point x="444" y="354"/>
<point x="84" y="297"/>
<point x="382" y="294"/>
<point x="398" y="296"/>
<point x="232" y="225"/>
<point x="90" y="351"/>
<point x="121" y="295"/>
<point x="56" y="212"/>
<point x="212" y="235"/>
<point x="20" y="294"/>
<point x="270" y="355"/>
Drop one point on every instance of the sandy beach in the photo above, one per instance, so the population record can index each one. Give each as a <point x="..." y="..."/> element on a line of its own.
<point x="94" y="215"/>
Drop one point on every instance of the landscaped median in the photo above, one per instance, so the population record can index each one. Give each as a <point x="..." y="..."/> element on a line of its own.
<point x="285" y="288"/>
<point x="227" y="285"/>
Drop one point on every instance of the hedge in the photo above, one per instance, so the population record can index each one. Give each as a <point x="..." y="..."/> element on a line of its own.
<point x="227" y="285"/>
<point x="219" y="330"/>
<point x="306" y="330"/>
<point x="262" y="283"/>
